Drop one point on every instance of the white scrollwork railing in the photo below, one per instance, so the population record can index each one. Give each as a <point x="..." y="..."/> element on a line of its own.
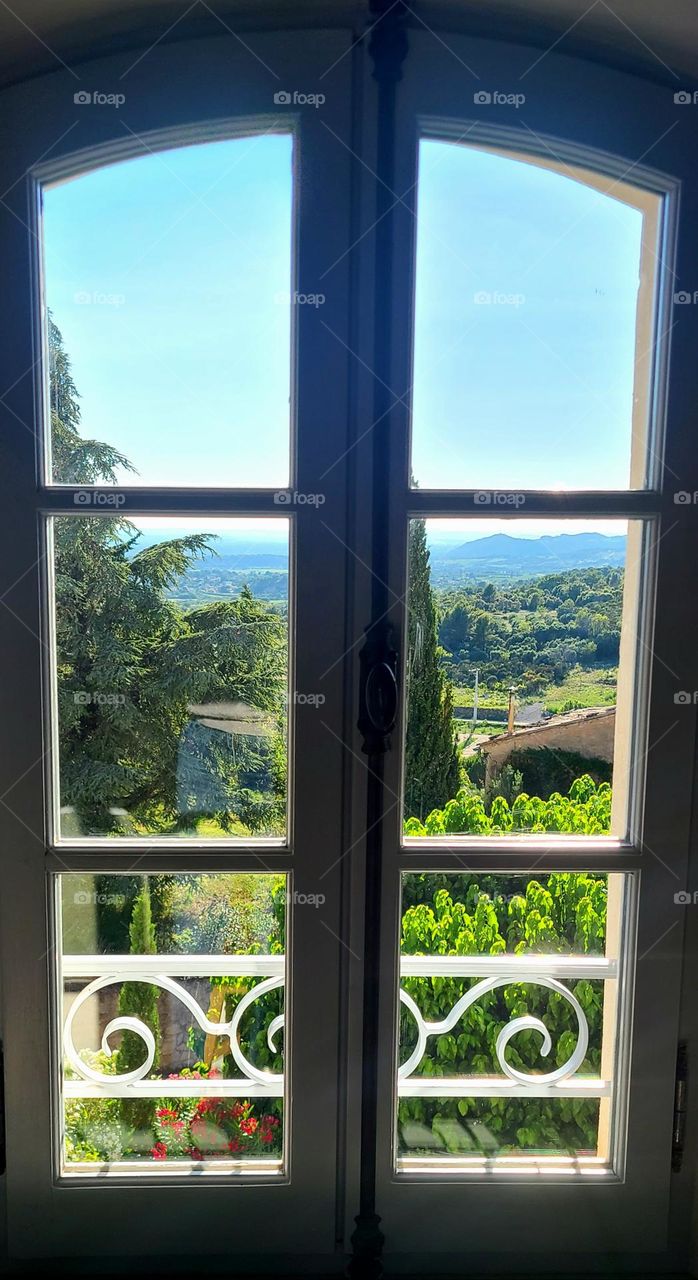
<point x="547" y="971"/>
<point x="160" y="971"/>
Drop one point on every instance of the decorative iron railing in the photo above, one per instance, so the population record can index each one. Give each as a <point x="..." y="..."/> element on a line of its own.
<point x="492" y="972"/>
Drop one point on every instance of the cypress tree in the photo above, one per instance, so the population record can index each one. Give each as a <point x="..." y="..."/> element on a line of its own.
<point x="431" y="754"/>
<point x="139" y="1000"/>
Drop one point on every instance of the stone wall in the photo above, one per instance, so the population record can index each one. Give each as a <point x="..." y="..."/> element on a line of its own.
<point x="590" y="733"/>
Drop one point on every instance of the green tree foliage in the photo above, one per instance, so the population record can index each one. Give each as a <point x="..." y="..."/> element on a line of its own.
<point x="462" y="914"/>
<point x="431" y="759"/>
<point x="139" y="1000"/>
<point x="532" y="633"/>
<point x="585" y="810"/>
<point x="75" y="460"/>
<point x="131" y="663"/>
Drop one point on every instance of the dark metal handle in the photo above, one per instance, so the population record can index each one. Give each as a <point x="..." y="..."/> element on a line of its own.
<point x="378" y="702"/>
<point x="381" y="697"/>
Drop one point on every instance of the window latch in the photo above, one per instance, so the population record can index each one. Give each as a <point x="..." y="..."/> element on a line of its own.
<point x="378" y="702"/>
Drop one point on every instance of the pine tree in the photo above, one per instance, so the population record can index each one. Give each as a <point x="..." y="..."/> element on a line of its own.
<point x="139" y="1000"/>
<point x="431" y="755"/>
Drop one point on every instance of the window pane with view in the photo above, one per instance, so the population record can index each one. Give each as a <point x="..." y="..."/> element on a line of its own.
<point x="167" y="279"/>
<point x="172" y="1015"/>
<point x="171" y="661"/>
<point x="508" y="991"/>
<point x="535" y="284"/>
<point x="520" y="665"/>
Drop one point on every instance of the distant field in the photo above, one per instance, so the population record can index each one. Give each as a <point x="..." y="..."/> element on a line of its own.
<point x="466" y="730"/>
<point x="590" y="686"/>
<point x="485" y="699"/>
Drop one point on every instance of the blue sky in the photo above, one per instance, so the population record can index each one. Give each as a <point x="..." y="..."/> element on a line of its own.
<point x="534" y="388"/>
<point x="168" y="277"/>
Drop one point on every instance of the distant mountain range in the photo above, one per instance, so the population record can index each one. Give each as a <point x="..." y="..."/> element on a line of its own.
<point x="502" y="556"/>
<point x="498" y="556"/>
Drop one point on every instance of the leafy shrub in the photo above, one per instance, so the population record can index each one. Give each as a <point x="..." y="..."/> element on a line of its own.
<point x="466" y="914"/>
<point x="585" y="810"/>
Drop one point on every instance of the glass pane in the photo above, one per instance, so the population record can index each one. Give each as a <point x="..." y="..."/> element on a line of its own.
<point x="169" y="278"/>
<point x="507" y="1018"/>
<point x="173" y="1010"/>
<point x="534" y="311"/>
<point x="519" y="676"/>
<point x="171" y="676"/>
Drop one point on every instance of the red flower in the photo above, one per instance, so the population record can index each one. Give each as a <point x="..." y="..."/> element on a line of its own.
<point x="159" y="1151"/>
<point x="235" y="1145"/>
<point x="248" y="1126"/>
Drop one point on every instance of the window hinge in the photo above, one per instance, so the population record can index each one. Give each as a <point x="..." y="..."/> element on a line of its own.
<point x="677" y="1138"/>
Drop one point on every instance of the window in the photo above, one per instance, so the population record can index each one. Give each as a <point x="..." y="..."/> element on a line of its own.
<point x="286" y="453"/>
